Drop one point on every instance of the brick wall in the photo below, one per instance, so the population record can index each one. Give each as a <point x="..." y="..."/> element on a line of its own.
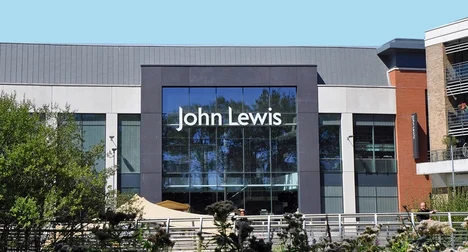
<point x="410" y="90"/>
<point x="437" y="98"/>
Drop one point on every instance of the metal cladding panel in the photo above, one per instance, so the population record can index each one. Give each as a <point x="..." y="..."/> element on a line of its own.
<point x="120" y="65"/>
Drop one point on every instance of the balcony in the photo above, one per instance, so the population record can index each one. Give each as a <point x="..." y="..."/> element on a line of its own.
<point x="375" y="165"/>
<point x="444" y="155"/>
<point x="456" y="77"/>
<point x="457" y="122"/>
<point x="440" y="163"/>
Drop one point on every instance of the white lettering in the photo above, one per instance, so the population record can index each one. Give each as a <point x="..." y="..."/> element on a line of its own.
<point x="258" y="117"/>
<point x="181" y="123"/>
<point x="269" y="116"/>
<point x="277" y="117"/>
<point x="186" y="117"/>
<point x="230" y="117"/>
<point x="201" y="115"/>
<point x="241" y="119"/>
<point x="214" y="119"/>
<point x="220" y="119"/>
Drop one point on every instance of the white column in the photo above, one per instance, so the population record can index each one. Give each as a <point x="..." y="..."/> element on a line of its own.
<point x="111" y="148"/>
<point x="347" y="152"/>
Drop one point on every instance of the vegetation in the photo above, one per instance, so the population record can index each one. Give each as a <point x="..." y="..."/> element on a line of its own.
<point x="448" y="200"/>
<point x="49" y="181"/>
<point x="45" y="174"/>
<point x="226" y="240"/>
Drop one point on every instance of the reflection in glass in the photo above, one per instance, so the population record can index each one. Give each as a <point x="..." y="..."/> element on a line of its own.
<point x="204" y="98"/>
<point x="128" y="152"/>
<point x="253" y="166"/>
<point x="374" y="143"/>
<point x="330" y="163"/>
<point x="173" y="98"/>
<point x="283" y="100"/>
<point x="330" y="142"/>
<point x="229" y="97"/>
<point x="93" y="132"/>
<point x="375" y="164"/>
<point x="256" y="99"/>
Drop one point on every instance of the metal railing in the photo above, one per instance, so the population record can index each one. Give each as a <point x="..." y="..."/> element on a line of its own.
<point x="456" y="71"/>
<point x="457" y="122"/>
<point x="444" y="155"/>
<point x="341" y="226"/>
<point x="456" y="77"/>
<point x="185" y="231"/>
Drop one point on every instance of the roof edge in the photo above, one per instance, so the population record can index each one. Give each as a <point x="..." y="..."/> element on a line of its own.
<point x="188" y="45"/>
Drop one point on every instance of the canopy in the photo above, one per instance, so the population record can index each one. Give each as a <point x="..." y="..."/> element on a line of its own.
<point x="179" y="219"/>
<point x="174" y="205"/>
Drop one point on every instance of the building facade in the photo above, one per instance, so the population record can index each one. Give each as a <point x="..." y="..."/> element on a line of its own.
<point x="447" y="86"/>
<point x="319" y="129"/>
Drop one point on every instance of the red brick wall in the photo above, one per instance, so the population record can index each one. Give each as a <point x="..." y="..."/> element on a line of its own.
<point x="410" y="88"/>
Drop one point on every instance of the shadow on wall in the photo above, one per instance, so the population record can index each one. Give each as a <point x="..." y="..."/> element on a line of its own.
<point x="423" y="145"/>
<point x="320" y="79"/>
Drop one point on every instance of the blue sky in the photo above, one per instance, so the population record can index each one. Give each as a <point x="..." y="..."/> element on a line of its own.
<point x="223" y="22"/>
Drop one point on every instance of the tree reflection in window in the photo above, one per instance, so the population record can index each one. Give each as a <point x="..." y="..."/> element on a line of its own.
<point x="224" y="158"/>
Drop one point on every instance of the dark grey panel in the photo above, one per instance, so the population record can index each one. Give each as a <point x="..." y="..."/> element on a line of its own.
<point x="151" y="91"/>
<point x="229" y="76"/>
<point x="308" y="145"/>
<point x="120" y="65"/>
<point x="309" y="192"/>
<point x="282" y="75"/>
<point x="151" y="186"/>
<point x="307" y="98"/>
<point x="175" y="76"/>
<point x="150" y="142"/>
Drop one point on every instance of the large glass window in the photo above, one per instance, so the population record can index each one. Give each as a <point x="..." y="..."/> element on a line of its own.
<point x="375" y="163"/>
<point x="330" y="163"/>
<point x="128" y="151"/>
<point x="209" y="159"/>
<point x="93" y="131"/>
<point x="374" y="144"/>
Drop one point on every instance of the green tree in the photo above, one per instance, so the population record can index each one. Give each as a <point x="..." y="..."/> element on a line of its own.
<point x="45" y="174"/>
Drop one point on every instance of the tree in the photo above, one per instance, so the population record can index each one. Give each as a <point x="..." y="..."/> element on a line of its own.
<point x="45" y="174"/>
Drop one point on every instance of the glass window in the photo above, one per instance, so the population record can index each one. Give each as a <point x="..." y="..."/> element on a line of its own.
<point x="229" y="97"/>
<point x="93" y="132"/>
<point x="204" y="98"/>
<point x="375" y="164"/>
<point x="129" y="143"/>
<point x="283" y="100"/>
<point x="374" y="143"/>
<point x="283" y="149"/>
<point x="128" y="152"/>
<point x="256" y="99"/>
<point x="332" y="192"/>
<point x="203" y="164"/>
<point x="376" y="193"/>
<point x="173" y="98"/>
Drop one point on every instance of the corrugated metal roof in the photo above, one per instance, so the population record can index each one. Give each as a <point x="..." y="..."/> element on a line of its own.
<point x="120" y="65"/>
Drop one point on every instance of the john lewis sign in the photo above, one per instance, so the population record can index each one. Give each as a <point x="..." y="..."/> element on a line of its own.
<point x="216" y="119"/>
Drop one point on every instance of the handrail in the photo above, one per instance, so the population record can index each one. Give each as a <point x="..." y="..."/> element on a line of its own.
<point x="184" y="231"/>
<point x="444" y="154"/>
<point x="456" y="71"/>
